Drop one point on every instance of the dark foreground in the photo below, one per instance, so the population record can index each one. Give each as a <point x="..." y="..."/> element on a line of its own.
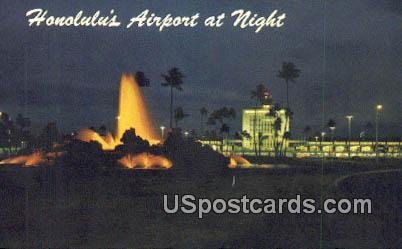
<point x="43" y="207"/>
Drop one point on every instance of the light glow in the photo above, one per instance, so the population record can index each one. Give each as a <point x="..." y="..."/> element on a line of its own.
<point x="145" y="161"/>
<point x="132" y="114"/>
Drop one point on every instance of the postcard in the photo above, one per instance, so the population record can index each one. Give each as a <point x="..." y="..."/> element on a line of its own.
<point x="200" y="124"/>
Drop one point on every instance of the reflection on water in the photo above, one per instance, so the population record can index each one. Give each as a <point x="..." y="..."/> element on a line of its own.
<point x="267" y="166"/>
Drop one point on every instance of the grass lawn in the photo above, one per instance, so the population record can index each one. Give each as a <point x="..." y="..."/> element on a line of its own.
<point x="42" y="207"/>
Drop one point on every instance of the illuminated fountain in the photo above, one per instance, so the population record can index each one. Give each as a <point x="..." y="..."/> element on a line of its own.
<point x="238" y="162"/>
<point x="132" y="114"/>
<point x="34" y="159"/>
<point x="145" y="161"/>
<point x="107" y="142"/>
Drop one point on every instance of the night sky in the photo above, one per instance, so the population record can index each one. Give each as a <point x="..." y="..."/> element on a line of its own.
<point x="71" y="75"/>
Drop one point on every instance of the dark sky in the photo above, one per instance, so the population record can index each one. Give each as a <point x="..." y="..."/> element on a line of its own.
<point x="71" y="75"/>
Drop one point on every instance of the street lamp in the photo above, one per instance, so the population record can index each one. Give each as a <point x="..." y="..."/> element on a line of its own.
<point x="349" y="118"/>
<point x="332" y="128"/>
<point x="377" y="114"/>
<point x="162" y="131"/>
<point x="186" y="133"/>
<point x="322" y="140"/>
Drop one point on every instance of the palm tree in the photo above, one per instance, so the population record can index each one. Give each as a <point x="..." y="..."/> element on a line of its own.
<point x="277" y="128"/>
<point x="223" y="113"/>
<point x="174" y="80"/>
<point x="288" y="72"/>
<point x="306" y="131"/>
<point x="244" y="135"/>
<point x="8" y="128"/>
<point x="260" y="93"/>
<point x="179" y="115"/>
<point x="225" y="129"/>
<point x="142" y="81"/>
<point x="261" y="139"/>
<point x="204" y="113"/>
<point x="332" y="126"/>
<point x="211" y="122"/>
<point x="286" y="134"/>
<point x="22" y="121"/>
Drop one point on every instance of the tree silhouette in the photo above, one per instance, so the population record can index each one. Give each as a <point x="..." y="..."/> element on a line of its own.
<point x="173" y="80"/>
<point x="289" y="116"/>
<point x="223" y="113"/>
<point x="142" y="81"/>
<point x="332" y="125"/>
<point x="179" y="115"/>
<point x="277" y="128"/>
<point x="306" y="131"/>
<point x="220" y="115"/>
<point x="7" y="131"/>
<point x="50" y="135"/>
<point x="133" y="143"/>
<point x="204" y="113"/>
<point x="22" y="121"/>
<point x="225" y="129"/>
<point x="368" y="129"/>
<point x="289" y="73"/>
<point x="211" y="122"/>
<point x="242" y="135"/>
<point x="259" y="94"/>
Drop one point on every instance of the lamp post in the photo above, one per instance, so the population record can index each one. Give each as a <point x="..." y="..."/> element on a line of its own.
<point x="377" y="114"/>
<point x="162" y="131"/>
<point x="332" y="128"/>
<point x="322" y="140"/>
<point x="349" y="118"/>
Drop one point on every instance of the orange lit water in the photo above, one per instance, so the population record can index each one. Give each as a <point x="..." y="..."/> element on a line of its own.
<point x="132" y="113"/>
<point x="238" y="161"/>
<point x="145" y="161"/>
<point x="34" y="159"/>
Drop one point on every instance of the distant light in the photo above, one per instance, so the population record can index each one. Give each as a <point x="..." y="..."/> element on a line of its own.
<point x="349" y="117"/>
<point x="186" y="133"/>
<point x="323" y="134"/>
<point x="162" y="127"/>
<point x="379" y="107"/>
<point x="118" y="117"/>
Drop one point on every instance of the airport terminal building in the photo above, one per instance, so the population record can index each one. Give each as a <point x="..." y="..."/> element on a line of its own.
<point x="264" y="133"/>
